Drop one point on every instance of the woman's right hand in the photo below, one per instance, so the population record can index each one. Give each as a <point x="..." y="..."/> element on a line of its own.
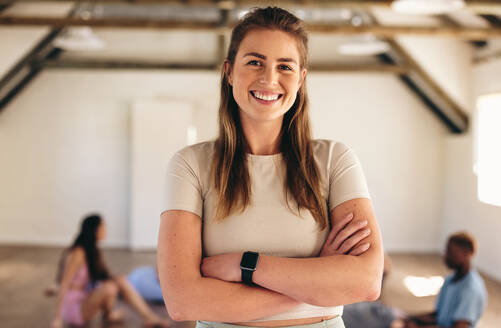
<point x="345" y="238"/>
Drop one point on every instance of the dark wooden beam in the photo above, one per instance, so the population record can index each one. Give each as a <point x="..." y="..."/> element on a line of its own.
<point x="425" y="87"/>
<point x="142" y="65"/>
<point x="465" y="33"/>
<point x="108" y="22"/>
<point x="5" y="5"/>
<point x="120" y="64"/>
<point x="446" y="20"/>
<point x="221" y="38"/>
<point x="13" y="82"/>
<point x="428" y="90"/>
<point x="341" y="3"/>
<point x="373" y="68"/>
<point x="380" y="31"/>
<point x="16" y="79"/>
<point x="494" y="20"/>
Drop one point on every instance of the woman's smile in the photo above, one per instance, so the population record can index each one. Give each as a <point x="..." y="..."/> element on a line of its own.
<point x="265" y="97"/>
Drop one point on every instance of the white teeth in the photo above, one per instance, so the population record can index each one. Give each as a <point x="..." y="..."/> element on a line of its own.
<point x="259" y="95"/>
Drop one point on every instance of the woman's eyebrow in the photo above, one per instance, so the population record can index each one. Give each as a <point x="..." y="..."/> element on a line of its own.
<point x="258" y="55"/>
<point x="255" y="54"/>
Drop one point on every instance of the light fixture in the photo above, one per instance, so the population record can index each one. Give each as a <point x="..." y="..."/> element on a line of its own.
<point x="365" y="45"/>
<point x="426" y="7"/>
<point x="79" y="39"/>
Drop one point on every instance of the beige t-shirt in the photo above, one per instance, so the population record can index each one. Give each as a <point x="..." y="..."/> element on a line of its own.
<point x="267" y="225"/>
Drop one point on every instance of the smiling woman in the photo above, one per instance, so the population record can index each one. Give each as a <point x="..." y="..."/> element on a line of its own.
<point x="265" y="226"/>
<point x="266" y="76"/>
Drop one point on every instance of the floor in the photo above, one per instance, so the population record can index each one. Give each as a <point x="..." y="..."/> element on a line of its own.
<point x="26" y="271"/>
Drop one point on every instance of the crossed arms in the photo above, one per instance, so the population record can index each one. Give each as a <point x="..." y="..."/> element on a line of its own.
<point x="209" y="289"/>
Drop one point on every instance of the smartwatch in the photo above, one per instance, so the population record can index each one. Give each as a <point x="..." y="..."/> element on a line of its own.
<point x="248" y="266"/>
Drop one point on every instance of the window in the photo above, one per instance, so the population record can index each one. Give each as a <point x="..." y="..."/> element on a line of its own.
<point x="488" y="144"/>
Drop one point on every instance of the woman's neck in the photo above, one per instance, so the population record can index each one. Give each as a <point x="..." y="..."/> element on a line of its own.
<point x="263" y="138"/>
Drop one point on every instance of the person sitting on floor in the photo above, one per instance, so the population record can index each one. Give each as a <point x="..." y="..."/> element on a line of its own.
<point x="374" y="314"/>
<point x="87" y="287"/>
<point x="144" y="279"/>
<point x="463" y="296"/>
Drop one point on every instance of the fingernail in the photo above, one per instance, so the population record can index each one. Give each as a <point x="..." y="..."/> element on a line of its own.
<point x="350" y="216"/>
<point x="366" y="245"/>
<point x="363" y="223"/>
<point x="367" y="231"/>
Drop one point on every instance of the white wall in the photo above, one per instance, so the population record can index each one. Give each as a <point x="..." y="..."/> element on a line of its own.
<point x="462" y="209"/>
<point x="65" y="148"/>
<point x="158" y="130"/>
<point x="400" y="145"/>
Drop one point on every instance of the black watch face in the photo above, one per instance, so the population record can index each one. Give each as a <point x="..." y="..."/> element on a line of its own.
<point x="249" y="260"/>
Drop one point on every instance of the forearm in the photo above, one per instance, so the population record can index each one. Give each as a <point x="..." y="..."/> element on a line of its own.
<point x="323" y="281"/>
<point x="59" y="302"/>
<point x="211" y="299"/>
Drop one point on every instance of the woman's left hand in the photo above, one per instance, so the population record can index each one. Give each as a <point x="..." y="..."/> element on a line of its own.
<point x="346" y="238"/>
<point x="223" y="267"/>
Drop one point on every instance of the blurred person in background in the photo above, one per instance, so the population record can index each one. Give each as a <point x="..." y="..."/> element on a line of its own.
<point x="86" y="287"/>
<point x="374" y="314"/>
<point x="463" y="297"/>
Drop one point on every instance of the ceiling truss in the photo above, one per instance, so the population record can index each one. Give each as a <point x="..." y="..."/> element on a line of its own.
<point x="397" y="61"/>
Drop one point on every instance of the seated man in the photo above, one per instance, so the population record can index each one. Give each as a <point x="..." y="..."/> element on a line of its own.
<point x="463" y="296"/>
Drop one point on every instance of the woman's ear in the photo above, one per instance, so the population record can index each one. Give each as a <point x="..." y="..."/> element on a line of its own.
<point x="303" y="76"/>
<point x="227" y="71"/>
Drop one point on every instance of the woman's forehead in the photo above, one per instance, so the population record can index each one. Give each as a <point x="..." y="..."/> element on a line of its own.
<point x="273" y="44"/>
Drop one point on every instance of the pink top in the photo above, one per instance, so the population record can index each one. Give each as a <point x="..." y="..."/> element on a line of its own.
<point x="75" y="296"/>
<point x="81" y="278"/>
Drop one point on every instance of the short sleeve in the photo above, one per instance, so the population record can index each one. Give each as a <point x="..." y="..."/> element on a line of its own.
<point x="439" y="302"/>
<point x="184" y="190"/>
<point x="469" y="307"/>
<point x="346" y="177"/>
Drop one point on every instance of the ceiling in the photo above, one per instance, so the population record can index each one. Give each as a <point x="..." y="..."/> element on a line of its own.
<point x="194" y="34"/>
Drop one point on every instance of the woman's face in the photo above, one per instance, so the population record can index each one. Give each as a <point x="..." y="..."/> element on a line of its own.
<point x="101" y="231"/>
<point x="266" y="75"/>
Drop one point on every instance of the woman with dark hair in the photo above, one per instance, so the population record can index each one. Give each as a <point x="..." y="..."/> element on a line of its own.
<point x="86" y="285"/>
<point x="245" y="239"/>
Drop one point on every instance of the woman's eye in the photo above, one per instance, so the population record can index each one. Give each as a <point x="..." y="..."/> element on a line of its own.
<point x="254" y="63"/>
<point x="285" y="68"/>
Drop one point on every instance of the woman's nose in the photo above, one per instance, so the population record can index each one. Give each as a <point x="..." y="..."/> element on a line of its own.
<point x="268" y="76"/>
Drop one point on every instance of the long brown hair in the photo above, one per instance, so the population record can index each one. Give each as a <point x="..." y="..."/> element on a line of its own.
<point x="230" y="173"/>
<point x="86" y="239"/>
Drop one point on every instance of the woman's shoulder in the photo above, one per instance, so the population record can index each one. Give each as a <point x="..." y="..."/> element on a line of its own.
<point x="78" y="251"/>
<point x="198" y="150"/>
<point x="328" y="148"/>
<point x="331" y="154"/>
<point x="76" y="255"/>
<point x="194" y="161"/>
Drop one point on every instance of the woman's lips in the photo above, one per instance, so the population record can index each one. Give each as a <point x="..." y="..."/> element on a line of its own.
<point x="264" y="97"/>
